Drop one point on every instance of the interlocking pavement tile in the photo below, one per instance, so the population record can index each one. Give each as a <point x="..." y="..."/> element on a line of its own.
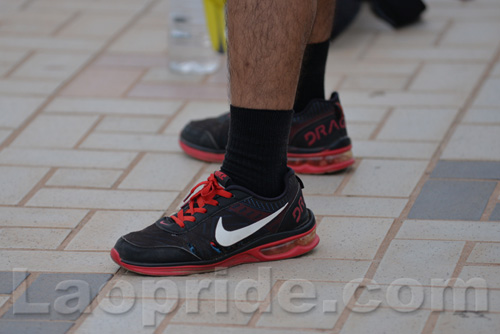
<point x="3" y="300"/>
<point x="15" y="110"/>
<point x="421" y="260"/>
<point x="46" y="65"/>
<point x="188" y="329"/>
<point x="28" y="87"/>
<point x="467" y="170"/>
<point x="132" y="142"/>
<point x="354" y="67"/>
<point x="474" y="142"/>
<point x="321" y="184"/>
<point x="393" y="149"/>
<point x="488" y="95"/>
<point x="102" y="82"/>
<point x="176" y="173"/>
<point x="350" y="238"/>
<point x="130" y="124"/>
<point x="108" y="7"/>
<point x="351" y="45"/>
<point x="467" y="322"/>
<point x="385" y="178"/>
<point x="473" y="33"/>
<point x="408" y="298"/>
<point x="490" y="274"/>
<point x="449" y="199"/>
<point x="496" y="70"/>
<point x="132" y="60"/>
<point x="16" y="182"/>
<point x="409" y="38"/>
<point x="358" y="131"/>
<point x="144" y="40"/>
<point x="386" y="321"/>
<point x="222" y="74"/>
<point x="51" y="289"/>
<point x="176" y="91"/>
<point x="34" y="327"/>
<point x="9" y="282"/>
<point x="78" y="177"/>
<point x="332" y="82"/>
<point x="309" y="268"/>
<point x="10" y="6"/>
<point x="213" y="312"/>
<point x="35" y="217"/>
<point x="34" y="238"/>
<point x="33" y="23"/>
<point x="356" y="206"/>
<point x="402" y="99"/>
<point x="164" y="74"/>
<point x="417" y="124"/>
<point x="251" y="282"/>
<point x="482" y="116"/>
<point x="66" y="158"/>
<point x="286" y="312"/>
<point x="447" y="77"/>
<point x="489" y="10"/>
<point x="495" y="215"/>
<point x="103" y="199"/>
<point x="4" y="134"/>
<point x="113" y="106"/>
<point x="55" y="261"/>
<point x="196" y="111"/>
<point x="94" y="25"/>
<point x="449" y="230"/>
<point x="134" y="316"/>
<point x="50" y="44"/>
<point x="485" y="253"/>
<point x="4" y="69"/>
<point x="451" y="53"/>
<point x="374" y="82"/>
<point x="49" y="131"/>
<point x="12" y="56"/>
<point x="364" y="114"/>
<point x="111" y="225"/>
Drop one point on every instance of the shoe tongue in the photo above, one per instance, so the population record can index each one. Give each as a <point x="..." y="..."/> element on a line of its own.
<point x="223" y="179"/>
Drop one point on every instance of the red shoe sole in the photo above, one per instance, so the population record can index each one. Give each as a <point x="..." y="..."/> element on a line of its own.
<point x="315" y="163"/>
<point x="322" y="162"/>
<point x="201" y="155"/>
<point x="278" y="250"/>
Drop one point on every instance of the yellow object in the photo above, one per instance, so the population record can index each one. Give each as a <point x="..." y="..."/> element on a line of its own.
<point x="216" y="23"/>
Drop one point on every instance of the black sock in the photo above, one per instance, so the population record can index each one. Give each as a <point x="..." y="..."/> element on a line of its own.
<point x="312" y="75"/>
<point x="257" y="148"/>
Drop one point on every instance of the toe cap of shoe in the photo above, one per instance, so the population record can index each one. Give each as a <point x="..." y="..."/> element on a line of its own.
<point x="193" y="134"/>
<point x="139" y="255"/>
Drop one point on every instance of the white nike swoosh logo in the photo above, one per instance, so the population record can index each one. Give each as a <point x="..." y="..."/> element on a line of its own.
<point x="227" y="238"/>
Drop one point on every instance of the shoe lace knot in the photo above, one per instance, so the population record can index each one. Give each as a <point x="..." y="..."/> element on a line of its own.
<point x="198" y="201"/>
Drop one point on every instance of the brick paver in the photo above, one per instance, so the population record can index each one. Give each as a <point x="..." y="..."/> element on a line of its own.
<point x="89" y="122"/>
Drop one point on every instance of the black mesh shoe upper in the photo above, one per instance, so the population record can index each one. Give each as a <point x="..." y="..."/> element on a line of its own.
<point x="211" y="134"/>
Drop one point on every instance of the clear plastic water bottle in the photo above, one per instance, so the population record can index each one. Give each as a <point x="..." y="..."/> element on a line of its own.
<point x="189" y="46"/>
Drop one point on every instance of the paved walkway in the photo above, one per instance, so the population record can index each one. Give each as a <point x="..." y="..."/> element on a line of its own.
<point x="89" y="119"/>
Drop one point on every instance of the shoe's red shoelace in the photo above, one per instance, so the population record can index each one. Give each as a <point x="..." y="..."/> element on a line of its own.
<point x="205" y="196"/>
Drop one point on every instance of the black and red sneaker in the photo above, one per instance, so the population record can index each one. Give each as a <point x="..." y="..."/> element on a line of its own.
<point x="221" y="225"/>
<point x="318" y="141"/>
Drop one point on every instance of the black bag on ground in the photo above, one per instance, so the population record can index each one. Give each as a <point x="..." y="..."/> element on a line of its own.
<point x="398" y="13"/>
